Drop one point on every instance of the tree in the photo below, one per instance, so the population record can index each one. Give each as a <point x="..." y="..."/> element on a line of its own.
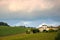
<point x="3" y="24"/>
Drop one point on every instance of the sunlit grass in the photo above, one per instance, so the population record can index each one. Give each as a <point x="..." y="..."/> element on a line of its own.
<point x="36" y="36"/>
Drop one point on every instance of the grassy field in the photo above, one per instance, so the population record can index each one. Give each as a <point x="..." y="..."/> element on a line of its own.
<point x="18" y="33"/>
<point x="36" y="36"/>
<point x="4" y="30"/>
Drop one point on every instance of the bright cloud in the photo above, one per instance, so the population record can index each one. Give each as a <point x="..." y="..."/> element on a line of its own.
<point x="27" y="5"/>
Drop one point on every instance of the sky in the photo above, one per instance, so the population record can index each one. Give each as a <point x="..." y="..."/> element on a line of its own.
<point x="30" y="12"/>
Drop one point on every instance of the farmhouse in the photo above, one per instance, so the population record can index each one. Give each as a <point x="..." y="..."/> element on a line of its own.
<point x="47" y="28"/>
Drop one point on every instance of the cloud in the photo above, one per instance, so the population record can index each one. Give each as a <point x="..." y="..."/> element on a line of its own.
<point x="27" y="5"/>
<point x="37" y="23"/>
<point x="24" y="23"/>
<point x="30" y="9"/>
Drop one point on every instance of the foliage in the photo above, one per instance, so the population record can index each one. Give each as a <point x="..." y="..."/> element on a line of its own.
<point x="51" y="30"/>
<point x="59" y="27"/>
<point x="35" y="30"/>
<point x="3" y="24"/>
<point x="28" y="31"/>
<point x="45" y="31"/>
<point x="22" y="26"/>
<point x="58" y="36"/>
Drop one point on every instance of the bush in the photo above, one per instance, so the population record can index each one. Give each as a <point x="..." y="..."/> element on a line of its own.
<point x="35" y="30"/>
<point x="45" y="31"/>
<point x="51" y="30"/>
<point x="28" y="32"/>
<point x="58" y="36"/>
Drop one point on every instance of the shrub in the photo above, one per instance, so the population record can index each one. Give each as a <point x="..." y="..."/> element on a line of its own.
<point x="58" y="36"/>
<point x="51" y="30"/>
<point x="45" y="31"/>
<point x="35" y="30"/>
<point x="28" y="32"/>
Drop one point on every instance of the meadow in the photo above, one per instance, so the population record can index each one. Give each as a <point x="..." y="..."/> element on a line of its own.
<point x="36" y="36"/>
<point x="5" y="30"/>
<point x="18" y="33"/>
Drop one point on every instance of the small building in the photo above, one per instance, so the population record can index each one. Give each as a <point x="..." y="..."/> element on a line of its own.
<point x="47" y="28"/>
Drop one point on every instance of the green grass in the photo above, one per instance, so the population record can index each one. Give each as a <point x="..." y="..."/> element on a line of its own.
<point x="18" y="33"/>
<point x="36" y="36"/>
<point x="39" y="36"/>
<point x="4" y="30"/>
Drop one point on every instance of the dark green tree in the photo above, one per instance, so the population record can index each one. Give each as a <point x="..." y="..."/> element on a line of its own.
<point x="3" y="24"/>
